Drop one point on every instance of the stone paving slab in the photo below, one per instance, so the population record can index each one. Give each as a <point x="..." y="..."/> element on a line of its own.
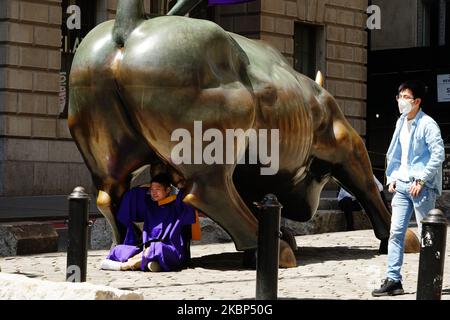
<point x="341" y="265"/>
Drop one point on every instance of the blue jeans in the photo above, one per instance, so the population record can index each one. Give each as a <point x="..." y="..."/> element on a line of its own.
<point x="403" y="205"/>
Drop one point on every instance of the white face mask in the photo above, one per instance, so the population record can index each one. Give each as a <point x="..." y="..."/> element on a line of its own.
<point x="404" y="106"/>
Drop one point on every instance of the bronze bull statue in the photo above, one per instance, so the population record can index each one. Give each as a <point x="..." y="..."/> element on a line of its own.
<point x="135" y="81"/>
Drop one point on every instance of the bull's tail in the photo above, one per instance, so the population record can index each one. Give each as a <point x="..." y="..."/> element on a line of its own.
<point x="182" y="7"/>
<point x="130" y="13"/>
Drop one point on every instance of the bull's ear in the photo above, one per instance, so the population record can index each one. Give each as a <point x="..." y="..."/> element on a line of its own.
<point x="319" y="78"/>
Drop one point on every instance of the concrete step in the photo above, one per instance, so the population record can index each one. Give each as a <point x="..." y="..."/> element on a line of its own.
<point x="39" y="208"/>
<point x="22" y="238"/>
<point x="324" y="221"/>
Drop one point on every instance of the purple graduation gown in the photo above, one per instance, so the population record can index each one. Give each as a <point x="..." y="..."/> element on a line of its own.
<point x="161" y="222"/>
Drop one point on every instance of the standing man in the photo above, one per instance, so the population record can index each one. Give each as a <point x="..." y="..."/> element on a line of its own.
<point x="414" y="174"/>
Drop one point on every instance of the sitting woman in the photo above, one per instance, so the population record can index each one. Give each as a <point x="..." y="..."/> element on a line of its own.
<point x="163" y="246"/>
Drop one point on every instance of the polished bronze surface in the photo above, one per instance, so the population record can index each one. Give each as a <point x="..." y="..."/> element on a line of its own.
<point x="134" y="81"/>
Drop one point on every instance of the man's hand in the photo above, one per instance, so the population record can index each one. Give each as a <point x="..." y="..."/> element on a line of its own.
<point x="392" y="187"/>
<point x="415" y="189"/>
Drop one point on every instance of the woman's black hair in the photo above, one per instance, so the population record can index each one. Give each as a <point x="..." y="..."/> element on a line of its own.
<point x="163" y="179"/>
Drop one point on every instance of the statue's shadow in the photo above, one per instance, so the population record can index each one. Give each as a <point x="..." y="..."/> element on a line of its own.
<point x="304" y="256"/>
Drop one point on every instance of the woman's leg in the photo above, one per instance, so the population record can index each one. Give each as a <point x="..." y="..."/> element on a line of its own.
<point x="134" y="263"/>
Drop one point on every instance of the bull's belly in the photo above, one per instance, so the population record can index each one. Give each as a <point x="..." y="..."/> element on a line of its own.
<point x="168" y="116"/>
<point x="252" y="187"/>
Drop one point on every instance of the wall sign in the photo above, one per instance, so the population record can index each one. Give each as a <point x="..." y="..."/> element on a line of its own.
<point x="78" y="18"/>
<point x="443" y="86"/>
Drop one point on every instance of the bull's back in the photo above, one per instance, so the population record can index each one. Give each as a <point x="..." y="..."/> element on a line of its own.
<point x="176" y="51"/>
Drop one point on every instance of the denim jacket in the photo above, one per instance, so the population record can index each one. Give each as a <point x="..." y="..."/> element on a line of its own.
<point x="426" y="152"/>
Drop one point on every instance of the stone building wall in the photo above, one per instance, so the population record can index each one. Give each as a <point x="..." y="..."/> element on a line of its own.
<point x="244" y="18"/>
<point x="106" y="9"/>
<point x="37" y="155"/>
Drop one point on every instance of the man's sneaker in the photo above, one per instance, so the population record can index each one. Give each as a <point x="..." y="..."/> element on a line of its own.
<point x="389" y="287"/>
<point x="154" y="266"/>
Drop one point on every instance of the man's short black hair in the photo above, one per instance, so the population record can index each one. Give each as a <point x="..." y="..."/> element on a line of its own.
<point x="163" y="179"/>
<point x="417" y="88"/>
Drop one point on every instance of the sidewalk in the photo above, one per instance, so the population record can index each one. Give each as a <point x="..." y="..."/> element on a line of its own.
<point x="340" y="265"/>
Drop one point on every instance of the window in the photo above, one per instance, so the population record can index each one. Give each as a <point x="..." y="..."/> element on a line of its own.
<point x="70" y="40"/>
<point x="200" y="11"/>
<point x="308" y="49"/>
<point x="434" y="23"/>
<point x="203" y="11"/>
<point x="159" y="7"/>
<point x="447" y="23"/>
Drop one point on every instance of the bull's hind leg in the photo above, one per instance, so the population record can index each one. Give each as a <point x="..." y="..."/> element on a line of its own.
<point x="212" y="191"/>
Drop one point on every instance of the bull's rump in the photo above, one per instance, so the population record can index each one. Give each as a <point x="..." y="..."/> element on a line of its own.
<point x="175" y="70"/>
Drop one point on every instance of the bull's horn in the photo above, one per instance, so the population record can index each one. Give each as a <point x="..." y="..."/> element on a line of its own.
<point x="319" y="78"/>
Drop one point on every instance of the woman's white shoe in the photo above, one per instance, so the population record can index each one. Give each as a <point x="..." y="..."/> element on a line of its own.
<point x="110" y="265"/>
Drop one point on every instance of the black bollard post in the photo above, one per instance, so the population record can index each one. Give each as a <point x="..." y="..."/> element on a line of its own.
<point x="268" y="247"/>
<point x="432" y="256"/>
<point x="78" y="236"/>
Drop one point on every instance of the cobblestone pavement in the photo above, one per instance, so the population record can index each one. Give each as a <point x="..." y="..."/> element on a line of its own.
<point x="342" y="265"/>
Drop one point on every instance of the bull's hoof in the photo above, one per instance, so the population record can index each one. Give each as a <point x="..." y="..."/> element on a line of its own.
<point x="412" y="243"/>
<point x="287" y="257"/>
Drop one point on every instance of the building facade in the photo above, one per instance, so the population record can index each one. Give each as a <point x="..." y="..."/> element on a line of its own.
<point x="38" y="40"/>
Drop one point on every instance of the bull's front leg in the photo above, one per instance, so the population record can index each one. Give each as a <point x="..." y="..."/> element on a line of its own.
<point x="355" y="174"/>
<point x="342" y="147"/>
